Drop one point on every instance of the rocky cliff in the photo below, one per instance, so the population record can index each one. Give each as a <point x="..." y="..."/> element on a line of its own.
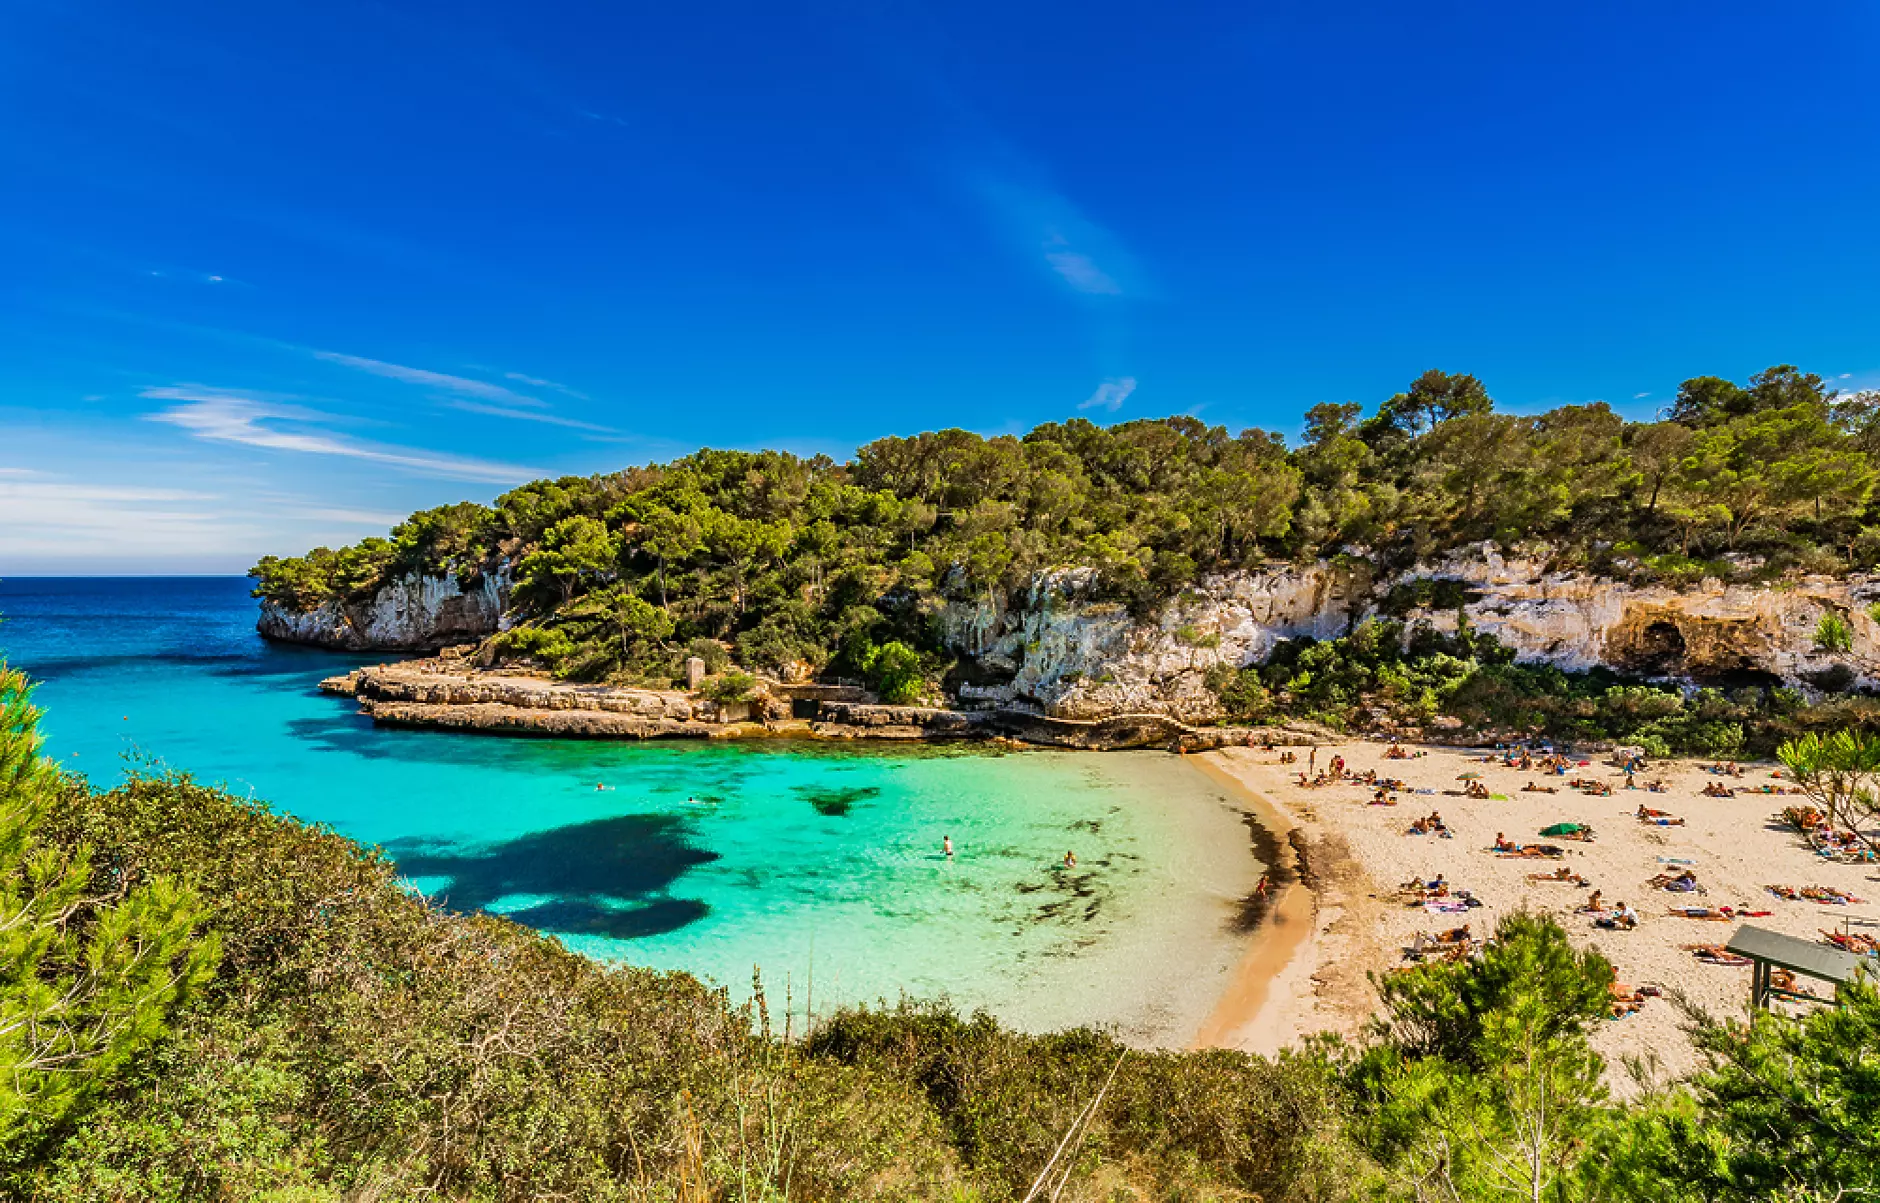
<point x="1062" y="651"/>
<point x="1080" y="658"/>
<point x="408" y="613"/>
<point x="1070" y="655"/>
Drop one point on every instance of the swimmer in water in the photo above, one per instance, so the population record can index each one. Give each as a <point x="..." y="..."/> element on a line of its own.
<point x="946" y="845"/>
<point x="1070" y="860"/>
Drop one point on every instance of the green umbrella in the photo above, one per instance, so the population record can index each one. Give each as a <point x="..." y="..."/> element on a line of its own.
<point x="1467" y="776"/>
<point x="1562" y="829"/>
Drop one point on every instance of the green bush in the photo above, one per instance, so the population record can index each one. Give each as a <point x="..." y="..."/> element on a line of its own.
<point x="1834" y="635"/>
<point x="729" y="688"/>
<point x="550" y="647"/>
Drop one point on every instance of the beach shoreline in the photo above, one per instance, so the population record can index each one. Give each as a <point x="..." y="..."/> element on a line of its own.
<point x="1315" y="976"/>
<point x="1285" y="986"/>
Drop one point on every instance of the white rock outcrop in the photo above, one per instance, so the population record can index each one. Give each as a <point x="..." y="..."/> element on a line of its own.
<point x="1711" y="631"/>
<point x="1061" y="650"/>
<point x="1069" y="654"/>
<point x="1073" y="656"/>
<point x="408" y="613"/>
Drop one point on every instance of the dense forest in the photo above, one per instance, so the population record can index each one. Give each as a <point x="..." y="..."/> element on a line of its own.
<point x="765" y="558"/>
<point x="205" y="1001"/>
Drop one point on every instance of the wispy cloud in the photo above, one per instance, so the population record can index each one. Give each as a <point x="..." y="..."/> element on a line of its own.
<point x="1079" y="270"/>
<point x="1111" y="394"/>
<point x="1085" y="256"/>
<point x="528" y="415"/>
<point x="268" y="421"/>
<point x="355" y="517"/>
<point x="1640" y="396"/>
<point x="538" y="382"/>
<point x="463" y="385"/>
<point x="59" y="520"/>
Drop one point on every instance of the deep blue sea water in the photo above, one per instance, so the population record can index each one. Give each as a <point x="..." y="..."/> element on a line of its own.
<point x="797" y="858"/>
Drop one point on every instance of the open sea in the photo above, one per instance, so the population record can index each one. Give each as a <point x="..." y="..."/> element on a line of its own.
<point x="800" y="860"/>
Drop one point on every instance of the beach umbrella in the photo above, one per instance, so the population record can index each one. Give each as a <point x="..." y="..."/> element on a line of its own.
<point x="1470" y="776"/>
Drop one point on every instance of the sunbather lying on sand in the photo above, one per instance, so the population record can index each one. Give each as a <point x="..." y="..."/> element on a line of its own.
<point x="1718" y="914"/>
<point x="1536" y="852"/>
<point x="1454" y="945"/>
<point x="1828" y="895"/>
<point x="1718" y="790"/>
<point x="1854" y="942"/>
<point x="1561" y="874"/>
<point x="1682" y="882"/>
<point x="1626" y="1000"/>
<point x="1531" y="788"/>
<point x="1714" y="954"/>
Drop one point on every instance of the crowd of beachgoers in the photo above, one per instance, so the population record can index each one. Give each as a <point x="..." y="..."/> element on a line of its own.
<point x="1653" y="862"/>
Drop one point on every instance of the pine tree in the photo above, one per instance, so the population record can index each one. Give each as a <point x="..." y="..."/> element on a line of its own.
<point x="90" y="972"/>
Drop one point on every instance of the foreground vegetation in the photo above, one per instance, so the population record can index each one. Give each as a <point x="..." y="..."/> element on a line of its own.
<point x="780" y="559"/>
<point x="205" y="1001"/>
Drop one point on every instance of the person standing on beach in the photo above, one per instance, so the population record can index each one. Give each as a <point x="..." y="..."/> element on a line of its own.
<point x="1312" y="759"/>
<point x="946" y="846"/>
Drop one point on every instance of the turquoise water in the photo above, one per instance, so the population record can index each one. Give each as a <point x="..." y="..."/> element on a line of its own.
<point x="806" y="860"/>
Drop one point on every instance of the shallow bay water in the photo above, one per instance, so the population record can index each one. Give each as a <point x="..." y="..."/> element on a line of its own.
<point x="808" y="861"/>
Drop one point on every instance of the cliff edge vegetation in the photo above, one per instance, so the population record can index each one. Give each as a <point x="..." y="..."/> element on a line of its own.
<point x="769" y="561"/>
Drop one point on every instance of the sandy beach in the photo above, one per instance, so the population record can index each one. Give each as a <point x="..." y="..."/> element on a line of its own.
<point x="1346" y="919"/>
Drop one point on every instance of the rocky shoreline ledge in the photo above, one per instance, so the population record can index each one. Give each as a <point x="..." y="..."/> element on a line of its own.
<point x="451" y="695"/>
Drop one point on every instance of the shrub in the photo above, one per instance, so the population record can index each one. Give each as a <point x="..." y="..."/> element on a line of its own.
<point x="1834" y="635"/>
<point x="547" y="646"/>
<point x="729" y="688"/>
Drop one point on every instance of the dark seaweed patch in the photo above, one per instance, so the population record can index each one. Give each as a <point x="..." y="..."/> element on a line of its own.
<point x="836" y="802"/>
<point x="585" y="917"/>
<point x="607" y="876"/>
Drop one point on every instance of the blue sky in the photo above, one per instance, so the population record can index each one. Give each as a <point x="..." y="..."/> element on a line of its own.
<point x="275" y="274"/>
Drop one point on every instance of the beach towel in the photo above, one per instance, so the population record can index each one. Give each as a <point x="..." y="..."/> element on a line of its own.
<point x="1447" y="906"/>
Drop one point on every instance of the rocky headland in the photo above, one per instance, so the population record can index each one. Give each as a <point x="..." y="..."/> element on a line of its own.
<point x="449" y="692"/>
<point x="1060" y="665"/>
<point x="412" y="613"/>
